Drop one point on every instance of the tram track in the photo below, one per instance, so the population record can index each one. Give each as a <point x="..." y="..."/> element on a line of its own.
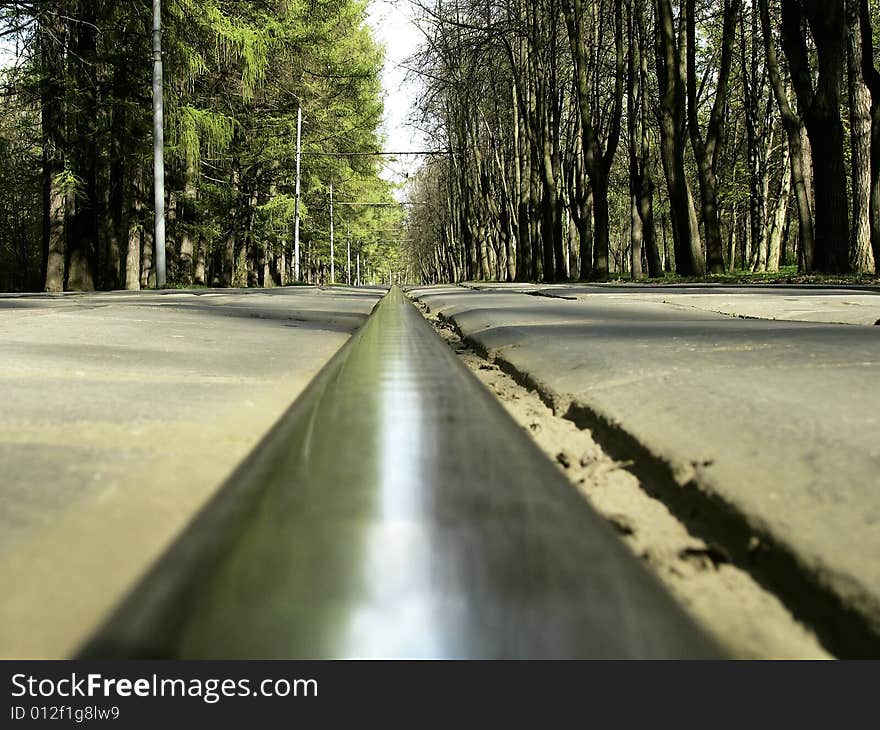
<point x="396" y="510"/>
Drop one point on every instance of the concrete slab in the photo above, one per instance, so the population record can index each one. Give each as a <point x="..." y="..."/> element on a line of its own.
<point x="805" y="303"/>
<point x="776" y="423"/>
<point x="121" y="414"/>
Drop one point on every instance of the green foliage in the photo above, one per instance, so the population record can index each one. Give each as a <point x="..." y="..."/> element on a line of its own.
<point x="20" y="202"/>
<point x="236" y="72"/>
<point x="256" y="65"/>
<point x="199" y="133"/>
<point x="69" y="183"/>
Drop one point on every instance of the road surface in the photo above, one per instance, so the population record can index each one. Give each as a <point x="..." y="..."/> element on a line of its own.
<point x="397" y="511"/>
<point x="766" y="432"/>
<point x="122" y="413"/>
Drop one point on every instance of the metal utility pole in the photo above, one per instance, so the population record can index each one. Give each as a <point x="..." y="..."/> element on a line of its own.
<point x="158" y="145"/>
<point x="299" y="121"/>
<point x="359" y="268"/>
<point x="332" y="251"/>
<point x="348" y="248"/>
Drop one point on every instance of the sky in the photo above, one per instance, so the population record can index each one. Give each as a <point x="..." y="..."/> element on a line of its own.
<point x="394" y="26"/>
<point x="7" y="52"/>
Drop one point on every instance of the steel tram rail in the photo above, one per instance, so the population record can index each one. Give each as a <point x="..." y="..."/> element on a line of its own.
<point x="397" y="511"/>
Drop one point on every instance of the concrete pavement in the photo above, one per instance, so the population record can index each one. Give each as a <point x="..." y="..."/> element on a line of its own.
<point x="766" y="433"/>
<point x="801" y="303"/>
<point x="399" y="512"/>
<point x="121" y="414"/>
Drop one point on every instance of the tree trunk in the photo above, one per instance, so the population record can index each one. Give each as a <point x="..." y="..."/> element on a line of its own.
<point x="585" y="232"/>
<point x="634" y="102"/>
<point x="201" y="255"/>
<point x="601" y="220"/>
<point x="872" y="79"/>
<point x="672" y="113"/>
<point x="51" y="32"/>
<point x="759" y="136"/>
<point x="707" y="151"/>
<point x="116" y="198"/>
<point x="228" y="275"/>
<point x="799" y="152"/>
<point x="598" y="153"/>
<point x="82" y="250"/>
<point x="731" y="237"/>
<point x="819" y="102"/>
<point x="148" y="272"/>
<point x="185" y="267"/>
<point x="861" y="255"/>
<point x="646" y="187"/>
<point x="135" y="231"/>
<point x="778" y="217"/>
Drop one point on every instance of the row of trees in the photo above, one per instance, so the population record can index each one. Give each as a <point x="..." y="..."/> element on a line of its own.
<point x="75" y="142"/>
<point x="584" y="137"/>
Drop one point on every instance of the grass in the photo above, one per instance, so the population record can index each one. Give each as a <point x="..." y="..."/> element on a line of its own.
<point x="785" y="275"/>
<point x="173" y="285"/>
<point x="176" y="286"/>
